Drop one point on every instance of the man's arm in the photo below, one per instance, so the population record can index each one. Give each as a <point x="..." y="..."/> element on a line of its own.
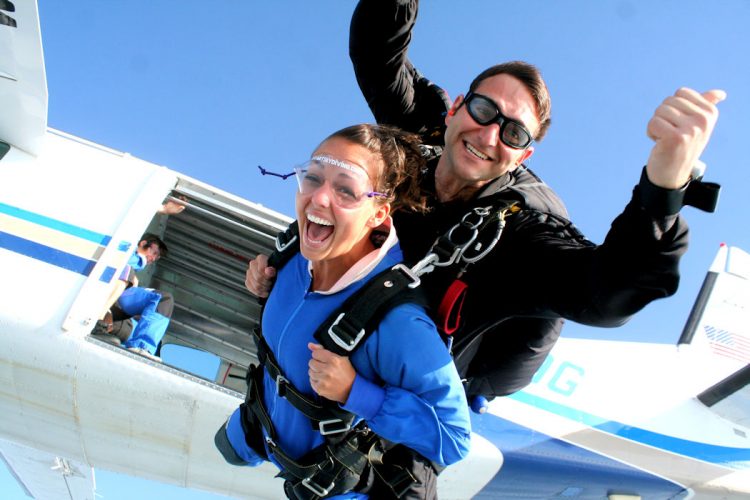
<point x="638" y="261"/>
<point x="395" y="91"/>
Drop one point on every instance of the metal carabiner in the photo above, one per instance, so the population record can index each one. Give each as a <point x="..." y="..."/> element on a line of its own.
<point x="460" y="248"/>
<point x="480" y="212"/>
<point x="425" y="265"/>
<point x="498" y="232"/>
<point x="490" y="246"/>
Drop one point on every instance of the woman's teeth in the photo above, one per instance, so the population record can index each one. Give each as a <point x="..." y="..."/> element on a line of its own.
<point x="318" y="220"/>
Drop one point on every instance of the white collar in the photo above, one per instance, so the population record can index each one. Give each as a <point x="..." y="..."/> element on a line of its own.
<point x="367" y="263"/>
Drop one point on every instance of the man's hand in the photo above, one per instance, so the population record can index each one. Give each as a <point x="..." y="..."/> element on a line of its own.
<point x="259" y="277"/>
<point x="331" y="375"/>
<point x="681" y="127"/>
<point x="172" y="207"/>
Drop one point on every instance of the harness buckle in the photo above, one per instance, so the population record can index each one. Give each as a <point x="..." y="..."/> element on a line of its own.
<point x="415" y="281"/>
<point x="328" y="427"/>
<point x="281" y="381"/>
<point x="316" y="488"/>
<point x="283" y="246"/>
<point x="347" y="346"/>
<point x="270" y="442"/>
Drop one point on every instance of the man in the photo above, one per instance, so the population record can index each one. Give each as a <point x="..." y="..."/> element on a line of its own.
<point x="542" y="269"/>
<point x="141" y="315"/>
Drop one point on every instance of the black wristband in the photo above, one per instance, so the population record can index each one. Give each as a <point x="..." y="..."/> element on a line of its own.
<point x="662" y="202"/>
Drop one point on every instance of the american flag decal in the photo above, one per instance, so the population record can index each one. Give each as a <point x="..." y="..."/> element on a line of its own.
<point x="728" y="344"/>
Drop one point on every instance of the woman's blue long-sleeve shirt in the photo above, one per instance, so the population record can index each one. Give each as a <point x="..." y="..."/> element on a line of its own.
<point x="407" y="388"/>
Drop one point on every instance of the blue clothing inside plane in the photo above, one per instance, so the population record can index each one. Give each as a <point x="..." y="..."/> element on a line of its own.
<point x="151" y="326"/>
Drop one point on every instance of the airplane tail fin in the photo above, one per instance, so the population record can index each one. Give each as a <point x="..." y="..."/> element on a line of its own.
<point x="720" y="325"/>
<point x="23" y="81"/>
<point x="720" y="319"/>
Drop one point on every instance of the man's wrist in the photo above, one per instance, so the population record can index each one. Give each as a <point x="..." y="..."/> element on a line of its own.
<point x="662" y="202"/>
<point x="659" y="201"/>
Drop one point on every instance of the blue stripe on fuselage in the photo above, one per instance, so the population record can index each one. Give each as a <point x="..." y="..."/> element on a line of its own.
<point x="736" y="458"/>
<point x="539" y="466"/>
<point x="46" y="254"/>
<point x="51" y="223"/>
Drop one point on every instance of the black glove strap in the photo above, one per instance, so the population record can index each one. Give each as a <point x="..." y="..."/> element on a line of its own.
<point x="663" y="202"/>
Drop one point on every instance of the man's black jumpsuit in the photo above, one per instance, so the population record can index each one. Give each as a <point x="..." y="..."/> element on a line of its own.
<point x="543" y="269"/>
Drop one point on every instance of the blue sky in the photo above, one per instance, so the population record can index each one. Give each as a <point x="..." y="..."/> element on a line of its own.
<point x="213" y="89"/>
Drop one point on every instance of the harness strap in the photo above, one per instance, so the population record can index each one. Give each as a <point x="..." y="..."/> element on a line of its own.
<point x="254" y="402"/>
<point x="325" y="416"/>
<point x="345" y="330"/>
<point x="397" y="478"/>
<point x="287" y="244"/>
<point x="449" y="311"/>
<point x="346" y="453"/>
<point x="340" y="462"/>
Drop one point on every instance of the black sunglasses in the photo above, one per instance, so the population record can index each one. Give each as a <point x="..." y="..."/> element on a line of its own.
<point x="484" y="111"/>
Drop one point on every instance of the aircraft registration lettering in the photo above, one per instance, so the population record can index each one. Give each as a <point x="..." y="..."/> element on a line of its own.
<point x="566" y="377"/>
<point x="563" y="379"/>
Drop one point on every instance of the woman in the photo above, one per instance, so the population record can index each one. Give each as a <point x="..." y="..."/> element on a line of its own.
<point x="401" y="381"/>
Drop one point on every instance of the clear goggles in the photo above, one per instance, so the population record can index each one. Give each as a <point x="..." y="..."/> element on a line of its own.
<point x="349" y="184"/>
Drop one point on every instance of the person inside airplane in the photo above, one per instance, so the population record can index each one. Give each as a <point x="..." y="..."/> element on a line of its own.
<point x="546" y="269"/>
<point x="140" y="316"/>
<point x="396" y="396"/>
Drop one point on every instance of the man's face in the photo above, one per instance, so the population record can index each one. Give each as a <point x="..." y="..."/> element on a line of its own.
<point x="474" y="153"/>
<point x="150" y="252"/>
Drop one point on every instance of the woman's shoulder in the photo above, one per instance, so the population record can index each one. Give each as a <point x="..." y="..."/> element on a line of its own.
<point x="407" y="336"/>
<point x="407" y="317"/>
<point x="293" y="274"/>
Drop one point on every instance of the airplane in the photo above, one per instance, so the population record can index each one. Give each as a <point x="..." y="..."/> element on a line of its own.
<point x="602" y="419"/>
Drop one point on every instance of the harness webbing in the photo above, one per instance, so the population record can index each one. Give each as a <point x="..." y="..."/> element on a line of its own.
<point x="350" y="325"/>
<point x="325" y="416"/>
<point x="287" y="244"/>
<point x="335" y="467"/>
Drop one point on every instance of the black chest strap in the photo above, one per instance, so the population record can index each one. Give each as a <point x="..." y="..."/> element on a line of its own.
<point x="350" y="325"/>
<point x="287" y="244"/>
<point x="325" y="416"/>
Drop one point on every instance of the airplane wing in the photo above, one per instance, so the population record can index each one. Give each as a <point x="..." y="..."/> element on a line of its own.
<point x="45" y="475"/>
<point x="731" y="397"/>
<point x="23" y="83"/>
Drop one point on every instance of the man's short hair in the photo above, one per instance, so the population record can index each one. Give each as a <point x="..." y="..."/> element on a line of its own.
<point x="532" y="79"/>
<point x="150" y="239"/>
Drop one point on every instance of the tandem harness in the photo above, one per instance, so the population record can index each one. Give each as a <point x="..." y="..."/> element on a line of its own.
<point x="353" y="457"/>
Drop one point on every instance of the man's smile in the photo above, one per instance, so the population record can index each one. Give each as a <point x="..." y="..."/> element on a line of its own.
<point x="471" y="149"/>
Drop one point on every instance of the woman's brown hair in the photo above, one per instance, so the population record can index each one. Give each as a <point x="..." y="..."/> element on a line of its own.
<point x="401" y="162"/>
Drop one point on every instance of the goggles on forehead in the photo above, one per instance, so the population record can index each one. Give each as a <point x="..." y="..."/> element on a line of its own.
<point x="349" y="184"/>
